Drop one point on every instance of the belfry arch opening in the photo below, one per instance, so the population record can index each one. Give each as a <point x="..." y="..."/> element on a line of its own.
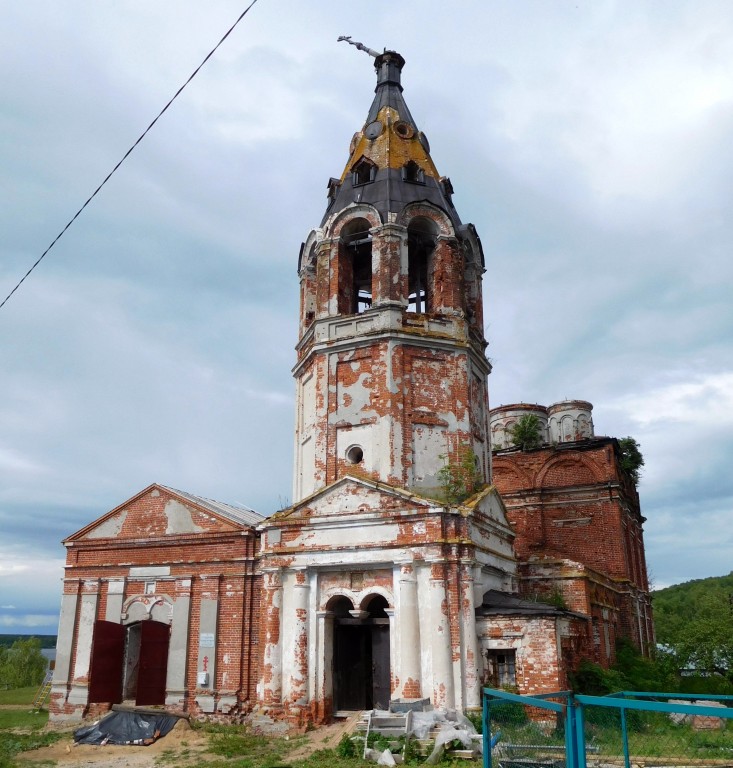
<point x="421" y="238"/>
<point x="355" y="268"/>
<point x="361" y="662"/>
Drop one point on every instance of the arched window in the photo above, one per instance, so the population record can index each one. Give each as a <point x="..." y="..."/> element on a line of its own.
<point x="333" y="189"/>
<point x="363" y="172"/>
<point x="413" y="173"/>
<point x="340" y="606"/>
<point x="355" y="285"/>
<point x="421" y="233"/>
<point x="377" y="606"/>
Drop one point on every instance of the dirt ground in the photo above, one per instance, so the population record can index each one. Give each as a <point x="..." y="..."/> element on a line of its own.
<point x="182" y="741"/>
<point x="66" y="753"/>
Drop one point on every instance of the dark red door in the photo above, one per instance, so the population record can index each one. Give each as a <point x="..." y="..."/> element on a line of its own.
<point x="105" y="668"/>
<point x="154" y="641"/>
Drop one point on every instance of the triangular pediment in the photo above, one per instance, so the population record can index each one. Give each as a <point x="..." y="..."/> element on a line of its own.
<point x="162" y="512"/>
<point x="352" y="495"/>
<point x="488" y="505"/>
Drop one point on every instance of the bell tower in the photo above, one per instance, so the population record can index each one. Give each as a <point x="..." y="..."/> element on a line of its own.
<point x="391" y="370"/>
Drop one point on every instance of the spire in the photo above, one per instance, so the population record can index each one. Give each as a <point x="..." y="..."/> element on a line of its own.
<point x="389" y="163"/>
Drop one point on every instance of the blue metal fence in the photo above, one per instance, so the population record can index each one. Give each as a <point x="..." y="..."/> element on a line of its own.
<point x="566" y="730"/>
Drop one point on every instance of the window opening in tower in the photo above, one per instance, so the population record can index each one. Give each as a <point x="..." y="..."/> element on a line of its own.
<point x="359" y="247"/>
<point x="419" y="256"/>
<point x="413" y="173"/>
<point x="363" y="172"/>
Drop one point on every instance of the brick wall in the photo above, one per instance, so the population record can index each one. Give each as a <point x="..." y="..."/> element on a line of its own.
<point x="152" y="568"/>
<point x="579" y="534"/>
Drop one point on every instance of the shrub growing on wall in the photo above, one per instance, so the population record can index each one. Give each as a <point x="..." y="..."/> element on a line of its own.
<point x="526" y="432"/>
<point x="630" y="457"/>
<point x="459" y="478"/>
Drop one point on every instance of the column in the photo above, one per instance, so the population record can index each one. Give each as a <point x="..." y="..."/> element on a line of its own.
<point x="390" y="616"/>
<point x="408" y="667"/>
<point x="115" y="597"/>
<point x="65" y="641"/>
<point x="447" y="278"/>
<point x="79" y="694"/>
<point x="389" y="265"/>
<point x="324" y="677"/>
<point x="299" y="680"/>
<point x="470" y="658"/>
<point x="178" y="649"/>
<point x="207" y="643"/>
<point x="271" y="686"/>
<point x="441" y="646"/>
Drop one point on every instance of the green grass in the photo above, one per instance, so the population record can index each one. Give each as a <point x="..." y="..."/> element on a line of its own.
<point x="22" y="719"/>
<point x="665" y="740"/>
<point x="12" y="743"/>
<point x="650" y="734"/>
<point x="182" y="757"/>
<point x="20" y="731"/>
<point x="18" y="696"/>
<point x="328" y="757"/>
<point x="247" y="750"/>
<point x="238" y="748"/>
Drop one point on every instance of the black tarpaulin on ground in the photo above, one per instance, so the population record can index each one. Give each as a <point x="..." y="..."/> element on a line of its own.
<point x="126" y="728"/>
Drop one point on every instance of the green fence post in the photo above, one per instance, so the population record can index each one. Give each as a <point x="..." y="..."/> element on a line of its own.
<point x="570" y="746"/>
<point x="485" y="730"/>
<point x="625" y="736"/>
<point x="579" y="733"/>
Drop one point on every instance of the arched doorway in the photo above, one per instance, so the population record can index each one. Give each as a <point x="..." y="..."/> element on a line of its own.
<point x="361" y="673"/>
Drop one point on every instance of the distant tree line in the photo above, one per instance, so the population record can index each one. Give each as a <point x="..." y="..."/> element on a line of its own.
<point x="694" y="626"/>
<point x="46" y="641"/>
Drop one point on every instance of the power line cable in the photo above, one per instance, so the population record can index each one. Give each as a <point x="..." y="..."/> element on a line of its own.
<point x="129" y="152"/>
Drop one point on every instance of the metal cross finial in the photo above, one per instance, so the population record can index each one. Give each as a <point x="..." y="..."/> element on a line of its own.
<point x="360" y="46"/>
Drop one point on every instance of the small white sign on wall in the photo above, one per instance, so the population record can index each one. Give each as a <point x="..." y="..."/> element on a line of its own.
<point x="206" y="640"/>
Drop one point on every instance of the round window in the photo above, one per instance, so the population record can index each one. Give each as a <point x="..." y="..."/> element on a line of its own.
<point x="403" y="129"/>
<point x="355" y="454"/>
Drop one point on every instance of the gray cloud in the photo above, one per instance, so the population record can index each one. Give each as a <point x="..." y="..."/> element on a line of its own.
<point x="155" y="342"/>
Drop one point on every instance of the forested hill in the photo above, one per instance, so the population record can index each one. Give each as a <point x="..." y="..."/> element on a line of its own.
<point x="47" y="641"/>
<point x="695" y="621"/>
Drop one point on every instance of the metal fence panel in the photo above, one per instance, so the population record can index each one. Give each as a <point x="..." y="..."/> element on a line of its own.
<point x="634" y="729"/>
<point x="527" y="732"/>
<point x="625" y="730"/>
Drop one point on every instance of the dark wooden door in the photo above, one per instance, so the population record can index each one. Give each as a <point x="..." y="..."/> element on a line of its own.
<point x="154" y="642"/>
<point x="352" y="667"/>
<point x="381" y="687"/>
<point x="105" y="667"/>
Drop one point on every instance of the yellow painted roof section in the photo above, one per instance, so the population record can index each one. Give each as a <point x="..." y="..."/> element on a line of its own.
<point x="396" y="145"/>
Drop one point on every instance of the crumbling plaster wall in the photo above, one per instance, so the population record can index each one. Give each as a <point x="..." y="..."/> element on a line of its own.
<point x="401" y="390"/>
<point x="431" y="564"/>
<point x="406" y="405"/>
<point x="537" y="643"/>
<point x="166" y="560"/>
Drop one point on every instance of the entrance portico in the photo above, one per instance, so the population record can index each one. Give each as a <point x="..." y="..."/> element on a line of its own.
<point x="370" y="597"/>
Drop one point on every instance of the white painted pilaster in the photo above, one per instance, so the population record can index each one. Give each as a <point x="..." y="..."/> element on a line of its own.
<point x="408" y="630"/>
<point x="469" y="657"/>
<point x="299" y="680"/>
<point x="442" y="653"/>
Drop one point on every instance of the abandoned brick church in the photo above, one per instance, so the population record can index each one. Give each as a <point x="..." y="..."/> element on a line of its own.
<point x="376" y="584"/>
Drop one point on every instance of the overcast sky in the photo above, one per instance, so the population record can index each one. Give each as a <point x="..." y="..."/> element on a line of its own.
<point x="589" y="143"/>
